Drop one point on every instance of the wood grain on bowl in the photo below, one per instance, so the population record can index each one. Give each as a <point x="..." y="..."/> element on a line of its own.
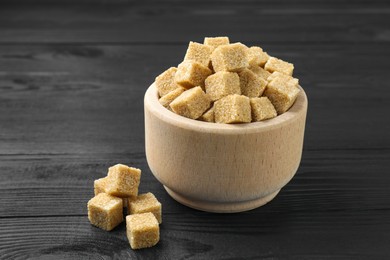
<point x="221" y="167"/>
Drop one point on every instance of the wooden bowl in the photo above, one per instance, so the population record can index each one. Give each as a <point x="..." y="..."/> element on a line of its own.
<point x="220" y="167"/>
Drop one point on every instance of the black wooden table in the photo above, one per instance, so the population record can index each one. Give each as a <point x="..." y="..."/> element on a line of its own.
<point x="72" y="80"/>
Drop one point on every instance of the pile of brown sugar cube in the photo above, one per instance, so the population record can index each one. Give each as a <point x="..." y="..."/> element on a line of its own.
<point x="225" y="82"/>
<point x="120" y="190"/>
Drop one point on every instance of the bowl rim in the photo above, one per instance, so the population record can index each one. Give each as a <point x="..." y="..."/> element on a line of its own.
<point x="152" y="103"/>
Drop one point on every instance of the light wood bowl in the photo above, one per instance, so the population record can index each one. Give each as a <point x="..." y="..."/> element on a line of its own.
<point x="219" y="167"/>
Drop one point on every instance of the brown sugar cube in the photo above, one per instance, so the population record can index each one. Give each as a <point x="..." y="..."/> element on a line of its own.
<point x="165" y="82"/>
<point x="232" y="109"/>
<point x="123" y="181"/>
<point x="257" y="56"/>
<point x="281" y="95"/>
<point x="259" y="71"/>
<point x="216" y="41"/>
<point x="221" y="84"/>
<point x="232" y="57"/>
<point x="275" y="64"/>
<point x="250" y="84"/>
<point x="286" y="78"/>
<point x="145" y="203"/>
<point x="191" y="103"/>
<point x="142" y="230"/>
<point x="168" y="98"/>
<point x="105" y="211"/>
<point x="199" y="52"/>
<point x="191" y="73"/>
<point x="262" y="109"/>
<point x="208" y="116"/>
<point x="100" y="187"/>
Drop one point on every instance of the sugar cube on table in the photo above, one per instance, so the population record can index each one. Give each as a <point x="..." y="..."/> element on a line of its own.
<point x="123" y="181"/>
<point x="105" y="211"/>
<point x="100" y="186"/>
<point x="142" y="230"/>
<point x="145" y="203"/>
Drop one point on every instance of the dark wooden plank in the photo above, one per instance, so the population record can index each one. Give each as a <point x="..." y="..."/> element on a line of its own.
<point x="65" y="237"/>
<point x="62" y="184"/>
<point x="72" y="107"/>
<point x="89" y="99"/>
<point x="221" y="2"/>
<point x="179" y="22"/>
<point x="354" y="182"/>
<point x="258" y="234"/>
<point x="340" y="191"/>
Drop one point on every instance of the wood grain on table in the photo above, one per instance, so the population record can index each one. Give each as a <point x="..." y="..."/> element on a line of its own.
<point x="72" y="81"/>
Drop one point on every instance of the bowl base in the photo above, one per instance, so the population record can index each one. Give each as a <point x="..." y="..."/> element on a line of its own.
<point x="220" y="207"/>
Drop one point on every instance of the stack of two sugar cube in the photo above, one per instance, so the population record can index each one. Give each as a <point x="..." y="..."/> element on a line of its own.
<point x="118" y="190"/>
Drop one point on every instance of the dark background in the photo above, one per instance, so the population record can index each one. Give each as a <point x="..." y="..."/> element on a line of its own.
<point x="72" y="79"/>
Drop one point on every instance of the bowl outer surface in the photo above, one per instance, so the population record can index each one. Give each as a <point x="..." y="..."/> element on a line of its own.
<point x="221" y="162"/>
